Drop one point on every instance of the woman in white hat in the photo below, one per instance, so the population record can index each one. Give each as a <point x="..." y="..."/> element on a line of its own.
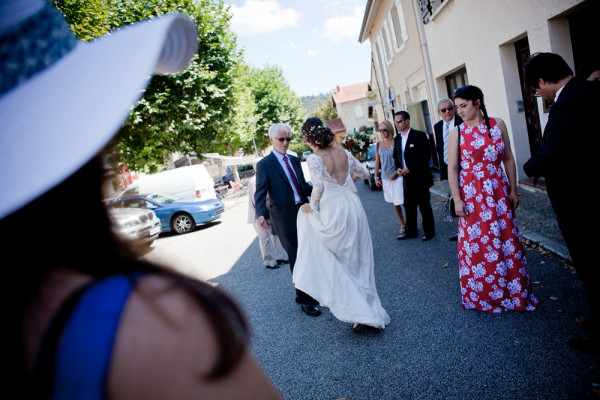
<point x="85" y="319"/>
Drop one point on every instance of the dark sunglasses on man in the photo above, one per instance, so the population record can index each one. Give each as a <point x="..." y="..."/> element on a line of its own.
<point x="281" y="139"/>
<point x="443" y="110"/>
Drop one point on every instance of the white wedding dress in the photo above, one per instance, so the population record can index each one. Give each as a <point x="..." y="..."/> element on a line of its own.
<point x="335" y="253"/>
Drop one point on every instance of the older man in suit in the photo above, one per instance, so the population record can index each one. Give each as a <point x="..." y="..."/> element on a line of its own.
<point x="280" y="176"/>
<point x="442" y="129"/>
<point x="568" y="169"/>
<point x="411" y="157"/>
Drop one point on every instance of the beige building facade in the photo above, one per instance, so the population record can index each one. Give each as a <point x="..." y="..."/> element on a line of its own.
<point x="352" y="105"/>
<point x="483" y="43"/>
<point x="399" y="71"/>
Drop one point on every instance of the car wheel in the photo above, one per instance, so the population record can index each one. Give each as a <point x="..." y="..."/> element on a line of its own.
<point x="182" y="223"/>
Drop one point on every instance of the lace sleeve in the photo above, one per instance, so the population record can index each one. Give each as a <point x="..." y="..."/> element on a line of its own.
<point x="315" y="167"/>
<point x="356" y="167"/>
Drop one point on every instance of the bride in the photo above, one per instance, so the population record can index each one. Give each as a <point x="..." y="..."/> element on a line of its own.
<point x="335" y="253"/>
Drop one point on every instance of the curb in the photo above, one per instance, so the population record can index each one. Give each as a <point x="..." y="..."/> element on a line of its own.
<point x="548" y="244"/>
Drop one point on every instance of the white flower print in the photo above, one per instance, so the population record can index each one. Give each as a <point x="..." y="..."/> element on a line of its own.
<point x="469" y="191"/>
<point x="501" y="268"/>
<point x="474" y="231"/>
<point x="507" y="304"/>
<point x="502" y="282"/>
<point x="490" y="278"/>
<point x="478" y="271"/>
<point x="488" y="187"/>
<point x="508" y="247"/>
<point x="497" y="294"/>
<point x="491" y="256"/>
<point x="478" y="142"/>
<point x="486" y="215"/>
<point x="495" y="228"/>
<point x="490" y="202"/>
<point x="497" y="243"/>
<point x="501" y="207"/>
<point x="490" y="153"/>
<point x="470" y="207"/>
<point x="514" y="286"/>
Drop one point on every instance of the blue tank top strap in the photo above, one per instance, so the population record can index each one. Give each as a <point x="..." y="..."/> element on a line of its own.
<point x="85" y="351"/>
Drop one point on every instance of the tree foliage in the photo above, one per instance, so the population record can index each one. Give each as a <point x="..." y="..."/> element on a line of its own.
<point x="275" y="102"/>
<point x="325" y="111"/>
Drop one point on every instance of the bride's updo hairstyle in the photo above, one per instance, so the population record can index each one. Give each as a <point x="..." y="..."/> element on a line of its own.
<point x="317" y="133"/>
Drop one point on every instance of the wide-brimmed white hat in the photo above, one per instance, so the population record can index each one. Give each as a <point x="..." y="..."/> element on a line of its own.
<point x="62" y="100"/>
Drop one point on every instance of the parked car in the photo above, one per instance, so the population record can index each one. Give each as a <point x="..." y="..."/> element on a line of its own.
<point x="369" y="162"/>
<point x="244" y="171"/>
<point x="177" y="216"/>
<point x="138" y="226"/>
<point x="306" y="154"/>
<point x="190" y="183"/>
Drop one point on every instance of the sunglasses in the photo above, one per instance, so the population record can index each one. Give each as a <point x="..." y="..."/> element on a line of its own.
<point x="443" y="110"/>
<point x="399" y="121"/>
<point x="281" y="139"/>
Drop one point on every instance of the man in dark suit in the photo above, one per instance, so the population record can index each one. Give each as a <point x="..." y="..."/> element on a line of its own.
<point x="567" y="168"/>
<point x="411" y="157"/>
<point x="442" y="130"/>
<point x="280" y="176"/>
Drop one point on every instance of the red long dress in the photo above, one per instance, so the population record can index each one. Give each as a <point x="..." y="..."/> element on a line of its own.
<point x="493" y="269"/>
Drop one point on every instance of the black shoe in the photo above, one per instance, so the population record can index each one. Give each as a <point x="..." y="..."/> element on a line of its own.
<point x="279" y="262"/>
<point x="272" y="266"/>
<point x="453" y="238"/>
<point x="309" y="301"/>
<point x="585" y="345"/>
<point x="405" y="236"/>
<point x="311" y="310"/>
<point x="428" y="237"/>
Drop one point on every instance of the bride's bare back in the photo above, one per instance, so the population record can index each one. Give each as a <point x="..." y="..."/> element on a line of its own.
<point x="336" y="163"/>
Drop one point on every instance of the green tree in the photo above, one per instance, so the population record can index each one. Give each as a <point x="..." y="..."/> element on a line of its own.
<point x="275" y="102"/>
<point x="325" y="112"/>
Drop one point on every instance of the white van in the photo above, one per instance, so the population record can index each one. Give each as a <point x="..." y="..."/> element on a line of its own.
<point x="190" y="183"/>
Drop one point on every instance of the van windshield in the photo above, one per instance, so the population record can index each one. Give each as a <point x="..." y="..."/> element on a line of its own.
<point x="161" y="198"/>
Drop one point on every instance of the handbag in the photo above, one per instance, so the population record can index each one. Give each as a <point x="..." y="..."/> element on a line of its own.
<point x="450" y="206"/>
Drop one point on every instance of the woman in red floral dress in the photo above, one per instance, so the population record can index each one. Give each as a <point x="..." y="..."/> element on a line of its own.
<point x="493" y="269"/>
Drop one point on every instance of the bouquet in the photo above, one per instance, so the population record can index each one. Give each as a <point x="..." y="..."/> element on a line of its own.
<point x="356" y="142"/>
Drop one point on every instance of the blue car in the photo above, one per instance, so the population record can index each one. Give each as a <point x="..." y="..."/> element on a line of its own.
<point x="177" y="216"/>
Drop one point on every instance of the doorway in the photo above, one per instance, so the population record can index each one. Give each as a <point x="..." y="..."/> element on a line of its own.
<point x="530" y="106"/>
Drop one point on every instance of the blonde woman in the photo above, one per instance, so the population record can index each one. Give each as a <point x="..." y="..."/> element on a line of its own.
<point x="393" y="190"/>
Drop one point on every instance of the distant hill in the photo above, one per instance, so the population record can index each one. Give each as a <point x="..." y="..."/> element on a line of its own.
<point x="310" y="103"/>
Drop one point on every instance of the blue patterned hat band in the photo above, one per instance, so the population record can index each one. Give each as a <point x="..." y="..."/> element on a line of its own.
<point x="32" y="46"/>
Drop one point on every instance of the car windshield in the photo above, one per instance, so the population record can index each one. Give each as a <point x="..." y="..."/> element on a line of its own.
<point x="161" y="198"/>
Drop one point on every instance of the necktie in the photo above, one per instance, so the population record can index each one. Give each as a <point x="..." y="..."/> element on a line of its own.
<point x="446" y="133"/>
<point x="294" y="180"/>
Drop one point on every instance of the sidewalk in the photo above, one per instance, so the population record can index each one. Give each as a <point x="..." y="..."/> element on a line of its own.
<point x="535" y="217"/>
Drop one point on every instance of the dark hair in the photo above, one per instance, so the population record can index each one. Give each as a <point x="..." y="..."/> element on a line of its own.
<point x="590" y="64"/>
<point x="474" y="94"/>
<point x="403" y="114"/>
<point x="548" y="66"/>
<point x="94" y="251"/>
<point x="316" y="132"/>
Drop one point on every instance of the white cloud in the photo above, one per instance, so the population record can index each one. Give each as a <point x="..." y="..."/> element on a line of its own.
<point x="262" y="16"/>
<point x="289" y="45"/>
<point x="338" y="28"/>
<point x="312" y="53"/>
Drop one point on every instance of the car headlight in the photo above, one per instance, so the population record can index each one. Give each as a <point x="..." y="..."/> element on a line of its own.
<point x="131" y="223"/>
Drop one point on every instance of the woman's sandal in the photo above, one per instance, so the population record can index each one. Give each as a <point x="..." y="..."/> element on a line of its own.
<point x="402" y="229"/>
<point x="357" y="327"/>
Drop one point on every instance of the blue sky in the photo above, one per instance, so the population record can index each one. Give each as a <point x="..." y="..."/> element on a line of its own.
<point x="315" y="42"/>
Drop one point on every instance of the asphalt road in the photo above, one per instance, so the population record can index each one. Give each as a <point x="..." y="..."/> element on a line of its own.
<point x="433" y="349"/>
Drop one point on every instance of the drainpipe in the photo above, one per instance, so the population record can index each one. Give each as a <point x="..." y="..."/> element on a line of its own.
<point x="426" y="61"/>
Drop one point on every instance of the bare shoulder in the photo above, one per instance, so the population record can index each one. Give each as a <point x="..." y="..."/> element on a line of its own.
<point x="166" y="346"/>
